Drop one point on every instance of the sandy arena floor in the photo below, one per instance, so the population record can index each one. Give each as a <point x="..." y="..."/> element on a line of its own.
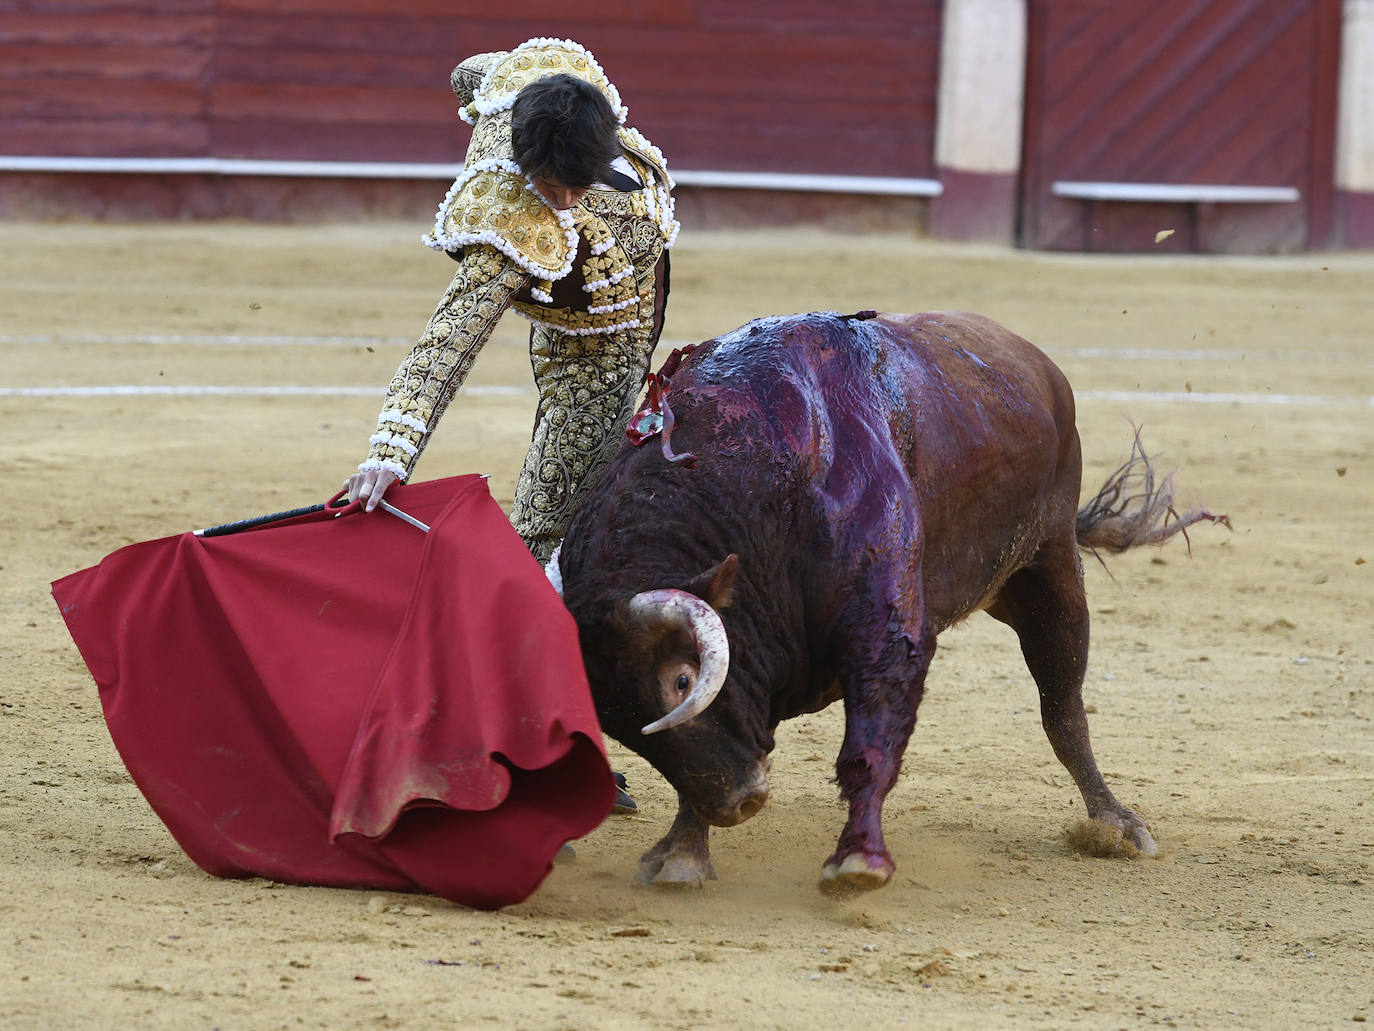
<point x="1233" y="691"/>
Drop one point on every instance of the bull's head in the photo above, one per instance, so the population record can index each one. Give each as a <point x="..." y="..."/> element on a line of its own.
<point x="658" y="662"/>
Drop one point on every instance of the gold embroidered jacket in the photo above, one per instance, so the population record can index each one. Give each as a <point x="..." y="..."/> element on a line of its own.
<point x="586" y="271"/>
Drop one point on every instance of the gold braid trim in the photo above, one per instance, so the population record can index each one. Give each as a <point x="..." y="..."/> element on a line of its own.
<point x="537" y="59"/>
<point x="588" y="389"/>
<point x="625" y="238"/>
<point x="491" y="201"/>
<point x="437" y="365"/>
<point x="469" y="74"/>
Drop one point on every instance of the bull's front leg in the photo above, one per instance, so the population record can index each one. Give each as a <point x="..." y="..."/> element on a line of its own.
<point x="881" y="698"/>
<point x="682" y="857"/>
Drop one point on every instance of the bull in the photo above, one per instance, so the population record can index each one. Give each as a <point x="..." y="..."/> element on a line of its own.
<point x="861" y="483"/>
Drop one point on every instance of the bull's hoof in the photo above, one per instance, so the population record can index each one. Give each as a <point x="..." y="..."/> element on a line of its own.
<point x="675" y="871"/>
<point x="856" y="873"/>
<point x="1113" y="837"/>
<point x="1143" y="841"/>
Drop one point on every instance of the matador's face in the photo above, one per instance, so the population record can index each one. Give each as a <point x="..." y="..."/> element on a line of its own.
<point x="556" y="193"/>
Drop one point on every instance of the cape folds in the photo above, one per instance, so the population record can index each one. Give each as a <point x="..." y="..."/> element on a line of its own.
<point x="288" y="718"/>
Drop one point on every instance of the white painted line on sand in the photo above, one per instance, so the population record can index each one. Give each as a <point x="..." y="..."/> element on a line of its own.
<point x="190" y="390"/>
<point x="194" y="390"/>
<point x="1188" y="354"/>
<point x="1204" y="398"/>
<point x="197" y="339"/>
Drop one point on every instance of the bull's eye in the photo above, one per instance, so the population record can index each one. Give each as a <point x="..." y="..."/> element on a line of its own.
<point x="683" y="683"/>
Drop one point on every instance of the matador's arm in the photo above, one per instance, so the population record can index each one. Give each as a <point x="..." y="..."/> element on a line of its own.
<point x="436" y="366"/>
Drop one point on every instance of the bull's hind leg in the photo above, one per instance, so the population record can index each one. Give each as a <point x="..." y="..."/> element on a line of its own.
<point x="682" y="857"/>
<point x="1045" y="604"/>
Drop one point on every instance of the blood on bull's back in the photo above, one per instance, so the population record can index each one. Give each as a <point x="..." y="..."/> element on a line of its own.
<point x="860" y="482"/>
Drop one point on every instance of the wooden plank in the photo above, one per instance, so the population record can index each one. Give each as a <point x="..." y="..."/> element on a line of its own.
<point x="82" y="9"/>
<point x="780" y="86"/>
<point x="1189" y="111"/>
<point x="1116" y="228"/>
<point x="105" y="137"/>
<point x="1261" y="230"/>
<point x="1075" y="49"/>
<point x="535" y="15"/>
<point x="307" y="32"/>
<point x="1267" y="117"/>
<point x="1131" y="82"/>
<point x="36" y="61"/>
<point x="282" y="139"/>
<point x="1321" y="172"/>
<point x="1075" y="46"/>
<point x="751" y="112"/>
<point x="1035" y="200"/>
<point x="872" y="18"/>
<point x="235" y="64"/>
<point x="104" y="27"/>
<point x="333" y="105"/>
<point x="799" y="150"/>
<point x="1222" y="93"/>
<point x="405" y="33"/>
<point x="110" y="98"/>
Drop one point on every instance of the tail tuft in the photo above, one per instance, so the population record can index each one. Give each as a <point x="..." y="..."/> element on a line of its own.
<point x="1132" y="509"/>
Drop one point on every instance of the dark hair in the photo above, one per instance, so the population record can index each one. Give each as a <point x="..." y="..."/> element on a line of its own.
<point x="564" y="128"/>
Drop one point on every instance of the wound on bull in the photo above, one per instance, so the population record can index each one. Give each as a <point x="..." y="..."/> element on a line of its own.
<point x="861" y="483"/>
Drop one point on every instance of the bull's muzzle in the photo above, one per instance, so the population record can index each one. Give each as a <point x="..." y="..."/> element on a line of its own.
<point x="742" y="803"/>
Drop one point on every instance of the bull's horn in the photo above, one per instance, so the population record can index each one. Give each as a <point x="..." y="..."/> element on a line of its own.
<point x="713" y="649"/>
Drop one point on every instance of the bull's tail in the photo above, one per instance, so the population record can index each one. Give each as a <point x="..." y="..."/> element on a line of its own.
<point x="1133" y="509"/>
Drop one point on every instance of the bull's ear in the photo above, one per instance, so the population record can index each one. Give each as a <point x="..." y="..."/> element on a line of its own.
<point x="716" y="586"/>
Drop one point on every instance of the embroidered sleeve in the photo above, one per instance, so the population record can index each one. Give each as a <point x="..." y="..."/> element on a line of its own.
<point x="436" y="366"/>
<point x="470" y="73"/>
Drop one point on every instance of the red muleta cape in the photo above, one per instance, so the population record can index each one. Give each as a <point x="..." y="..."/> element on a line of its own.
<point x="351" y="701"/>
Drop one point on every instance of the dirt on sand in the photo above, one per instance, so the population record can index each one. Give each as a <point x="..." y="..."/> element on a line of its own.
<point x="1232" y="691"/>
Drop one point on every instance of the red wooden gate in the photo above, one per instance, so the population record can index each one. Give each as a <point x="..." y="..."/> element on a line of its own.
<point x="1213" y="118"/>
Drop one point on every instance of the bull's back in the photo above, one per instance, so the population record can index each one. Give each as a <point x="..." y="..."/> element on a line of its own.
<point x="944" y="420"/>
<point x="980" y="392"/>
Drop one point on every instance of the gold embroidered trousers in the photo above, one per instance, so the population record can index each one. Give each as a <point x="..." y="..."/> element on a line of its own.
<point x="588" y="390"/>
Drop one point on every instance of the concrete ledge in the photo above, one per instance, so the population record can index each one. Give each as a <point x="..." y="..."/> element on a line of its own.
<point x="120" y="197"/>
<point x="1176" y="193"/>
<point x="882" y="185"/>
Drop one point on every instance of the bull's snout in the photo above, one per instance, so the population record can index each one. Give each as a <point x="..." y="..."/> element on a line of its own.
<point x="742" y="810"/>
<point x="744" y="802"/>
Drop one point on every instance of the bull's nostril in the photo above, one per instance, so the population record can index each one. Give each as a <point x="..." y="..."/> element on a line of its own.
<point x="749" y="808"/>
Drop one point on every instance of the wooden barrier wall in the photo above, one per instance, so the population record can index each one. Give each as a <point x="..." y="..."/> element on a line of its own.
<point x="793" y="86"/>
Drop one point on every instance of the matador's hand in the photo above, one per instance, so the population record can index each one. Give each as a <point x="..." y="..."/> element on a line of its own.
<point x="371" y="486"/>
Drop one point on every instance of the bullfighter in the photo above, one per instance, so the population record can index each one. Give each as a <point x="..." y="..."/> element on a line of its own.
<point x="564" y="213"/>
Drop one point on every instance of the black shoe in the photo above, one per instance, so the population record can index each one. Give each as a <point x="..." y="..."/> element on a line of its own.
<point x="624" y="801"/>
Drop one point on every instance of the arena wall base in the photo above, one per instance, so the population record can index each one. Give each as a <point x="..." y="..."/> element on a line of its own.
<point x="975" y="207"/>
<point x="1354" y="219"/>
<point x="704" y="208"/>
<point x="179" y="197"/>
<point x="56" y="196"/>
